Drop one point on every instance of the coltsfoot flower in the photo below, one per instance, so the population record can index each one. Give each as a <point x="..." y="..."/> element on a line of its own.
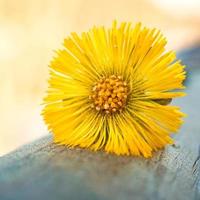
<point x="110" y="89"/>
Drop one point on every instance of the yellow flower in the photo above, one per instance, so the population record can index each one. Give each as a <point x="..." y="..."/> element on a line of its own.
<point x="110" y="89"/>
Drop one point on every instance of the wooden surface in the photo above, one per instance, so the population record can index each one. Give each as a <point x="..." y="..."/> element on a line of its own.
<point x="42" y="170"/>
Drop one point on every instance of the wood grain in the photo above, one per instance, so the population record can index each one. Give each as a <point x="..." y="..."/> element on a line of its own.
<point x="43" y="170"/>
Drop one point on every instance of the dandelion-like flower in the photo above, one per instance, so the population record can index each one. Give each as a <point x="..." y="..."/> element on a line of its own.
<point x="110" y="89"/>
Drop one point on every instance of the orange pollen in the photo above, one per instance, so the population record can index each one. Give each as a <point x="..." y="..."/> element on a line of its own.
<point x="109" y="94"/>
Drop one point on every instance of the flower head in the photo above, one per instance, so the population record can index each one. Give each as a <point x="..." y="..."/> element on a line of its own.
<point x="110" y="89"/>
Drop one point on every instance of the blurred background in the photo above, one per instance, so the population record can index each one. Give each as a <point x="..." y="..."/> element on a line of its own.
<point x="31" y="29"/>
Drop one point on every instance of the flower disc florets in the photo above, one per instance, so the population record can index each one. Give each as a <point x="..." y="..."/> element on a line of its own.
<point x="109" y="94"/>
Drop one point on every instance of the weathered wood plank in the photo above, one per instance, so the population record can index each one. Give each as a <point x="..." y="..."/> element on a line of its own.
<point x="46" y="171"/>
<point x="43" y="170"/>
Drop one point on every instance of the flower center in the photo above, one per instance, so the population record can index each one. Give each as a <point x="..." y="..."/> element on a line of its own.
<point x="109" y="94"/>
